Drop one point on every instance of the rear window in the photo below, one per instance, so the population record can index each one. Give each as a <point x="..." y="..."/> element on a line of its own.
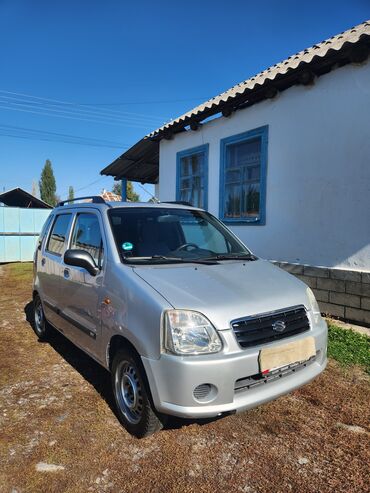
<point x="58" y="234"/>
<point x="44" y="231"/>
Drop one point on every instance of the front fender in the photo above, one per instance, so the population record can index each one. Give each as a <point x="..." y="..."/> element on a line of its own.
<point x="134" y="311"/>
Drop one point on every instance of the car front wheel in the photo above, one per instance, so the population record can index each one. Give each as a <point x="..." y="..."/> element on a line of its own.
<point x="135" y="409"/>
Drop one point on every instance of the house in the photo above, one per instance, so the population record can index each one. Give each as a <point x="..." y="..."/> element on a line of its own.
<point x="17" y="197"/>
<point x="282" y="158"/>
<point x="110" y="196"/>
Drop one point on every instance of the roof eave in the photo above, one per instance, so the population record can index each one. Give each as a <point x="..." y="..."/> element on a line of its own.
<point x="299" y="69"/>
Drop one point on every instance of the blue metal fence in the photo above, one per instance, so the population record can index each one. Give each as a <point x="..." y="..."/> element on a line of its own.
<point x="19" y="230"/>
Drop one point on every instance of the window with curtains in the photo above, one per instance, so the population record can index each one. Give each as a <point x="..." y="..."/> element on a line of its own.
<point x="192" y="176"/>
<point x="243" y="177"/>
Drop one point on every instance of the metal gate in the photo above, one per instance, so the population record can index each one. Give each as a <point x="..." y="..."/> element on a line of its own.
<point x="19" y="229"/>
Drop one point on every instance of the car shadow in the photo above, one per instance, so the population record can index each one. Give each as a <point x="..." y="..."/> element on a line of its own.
<point x="96" y="375"/>
<point x="88" y="368"/>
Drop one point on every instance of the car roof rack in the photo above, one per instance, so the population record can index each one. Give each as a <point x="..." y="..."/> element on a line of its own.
<point x="178" y="202"/>
<point x="95" y="199"/>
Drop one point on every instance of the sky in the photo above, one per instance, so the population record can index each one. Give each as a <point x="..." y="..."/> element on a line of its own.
<point x="83" y="80"/>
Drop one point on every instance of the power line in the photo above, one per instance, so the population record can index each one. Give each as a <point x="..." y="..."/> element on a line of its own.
<point x="167" y="101"/>
<point x="91" y="184"/>
<point x="86" y="186"/>
<point x="91" y="108"/>
<point x="56" y="135"/>
<point x="25" y="137"/>
<point x="21" y="102"/>
<point x="74" y="112"/>
<point x="149" y="193"/>
<point x="70" y="117"/>
<point x="22" y="134"/>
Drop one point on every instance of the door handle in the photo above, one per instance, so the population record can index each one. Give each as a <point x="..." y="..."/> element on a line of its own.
<point x="66" y="273"/>
<point x="43" y="261"/>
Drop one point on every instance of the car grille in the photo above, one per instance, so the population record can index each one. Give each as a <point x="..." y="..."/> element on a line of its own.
<point x="253" y="381"/>
<point x="259" y="329"/>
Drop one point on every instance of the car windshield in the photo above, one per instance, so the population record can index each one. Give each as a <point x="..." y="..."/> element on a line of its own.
<point x="160" y="234"/>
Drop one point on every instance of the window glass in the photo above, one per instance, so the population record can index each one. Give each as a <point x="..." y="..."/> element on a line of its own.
<point x="58" y="234"/>
<point x="44" y="231"/>
<point x="87" y="236"/>
<point x="142" y="233"/>
<point x="192" y="178"/>
<point x="204" y="235"/>
<point x="242" y="180"/>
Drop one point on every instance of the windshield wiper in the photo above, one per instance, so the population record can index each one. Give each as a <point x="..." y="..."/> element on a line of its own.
<point x="164" y="258"/>
<point x="233" y="256"/>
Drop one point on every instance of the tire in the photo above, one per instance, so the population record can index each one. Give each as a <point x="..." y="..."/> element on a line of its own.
<point x="40" y="324"/>
<point x="132" y="395"/>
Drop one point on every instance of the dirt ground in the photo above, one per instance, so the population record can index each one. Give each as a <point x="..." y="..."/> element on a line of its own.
<point x="56" y="411"/>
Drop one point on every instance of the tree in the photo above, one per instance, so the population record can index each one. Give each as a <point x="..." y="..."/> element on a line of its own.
<point x="132" y="196"/>
<point x="71" y="193"/>
<point x="47" y="184"/>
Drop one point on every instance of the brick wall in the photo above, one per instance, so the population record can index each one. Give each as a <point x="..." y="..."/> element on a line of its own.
<point x="340" y="293"/>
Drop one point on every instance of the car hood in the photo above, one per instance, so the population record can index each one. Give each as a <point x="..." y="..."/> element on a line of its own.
<point x="225" y="291"/>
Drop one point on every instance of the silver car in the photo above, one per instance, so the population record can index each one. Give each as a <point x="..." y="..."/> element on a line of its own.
<point x="188" y="321"/>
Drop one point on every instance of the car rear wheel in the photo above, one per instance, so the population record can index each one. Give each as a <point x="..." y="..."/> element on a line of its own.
<point x="131" y="392"/>
<point x="40" y="324"/>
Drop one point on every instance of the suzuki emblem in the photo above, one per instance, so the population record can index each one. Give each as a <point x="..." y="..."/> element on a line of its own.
<point x="279" y="326"/>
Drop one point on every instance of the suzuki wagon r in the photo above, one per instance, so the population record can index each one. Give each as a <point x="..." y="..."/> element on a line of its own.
<point x="188" y="321"/>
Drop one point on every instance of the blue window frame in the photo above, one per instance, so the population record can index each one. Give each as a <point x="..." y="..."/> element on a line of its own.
<point x="243" y="170"/>
<point x="192" y="176"/>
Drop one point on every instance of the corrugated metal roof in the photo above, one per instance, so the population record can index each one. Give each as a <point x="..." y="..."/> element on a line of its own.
<point x="304" y="57"/>
<point x="17" y="197"/>
<point x="141" y="161"/>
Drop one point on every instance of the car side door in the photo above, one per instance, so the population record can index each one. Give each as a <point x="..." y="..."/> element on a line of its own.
<point x="81" y="292"/>
<point x="49" y="267"/>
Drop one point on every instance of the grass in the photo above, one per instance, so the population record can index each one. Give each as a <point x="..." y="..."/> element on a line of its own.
<point x="21" y="270"/>
<point x="349" y="347"/>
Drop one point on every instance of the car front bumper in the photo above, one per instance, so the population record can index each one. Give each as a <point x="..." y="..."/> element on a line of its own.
<point x="172" y="378"/>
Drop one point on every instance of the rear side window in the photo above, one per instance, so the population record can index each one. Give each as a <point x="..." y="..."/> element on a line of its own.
<point x="58" y="234"/>
<point x="87" y="236"/>
<point x="44" y="231"/>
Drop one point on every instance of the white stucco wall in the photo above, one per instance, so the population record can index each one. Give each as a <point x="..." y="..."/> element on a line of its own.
<point x="318" y="171"/>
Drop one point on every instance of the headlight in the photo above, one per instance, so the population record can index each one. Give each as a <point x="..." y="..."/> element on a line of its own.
<point x="314" y="305"/>
<point x="188" y="332"/>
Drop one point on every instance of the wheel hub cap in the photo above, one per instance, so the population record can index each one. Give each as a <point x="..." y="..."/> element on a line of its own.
<point x="39" y="317"/>
<point x="129" y="392"/>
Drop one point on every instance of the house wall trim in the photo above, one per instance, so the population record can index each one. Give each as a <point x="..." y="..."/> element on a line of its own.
<point x="261" y="132"/>
<point x="189" y="152"/>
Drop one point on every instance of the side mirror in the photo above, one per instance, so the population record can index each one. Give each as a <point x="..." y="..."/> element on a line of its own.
<point x="81" y="258"/>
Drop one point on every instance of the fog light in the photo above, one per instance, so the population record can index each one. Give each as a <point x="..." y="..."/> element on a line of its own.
<point x="205" y="392"/>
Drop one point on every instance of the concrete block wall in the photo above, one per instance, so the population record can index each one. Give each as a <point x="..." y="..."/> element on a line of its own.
<point x="340" y="293"/>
